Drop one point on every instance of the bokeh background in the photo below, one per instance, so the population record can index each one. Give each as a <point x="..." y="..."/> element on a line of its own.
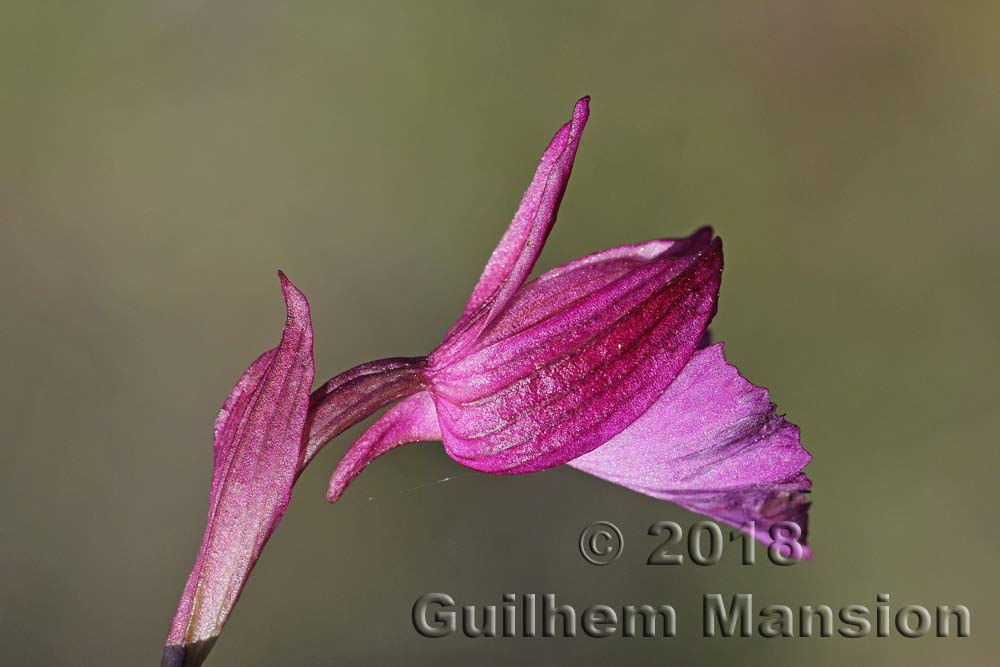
<point x="160" y="160"/>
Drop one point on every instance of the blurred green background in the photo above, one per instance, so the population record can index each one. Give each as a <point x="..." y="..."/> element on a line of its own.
<point x="160" y="160"/>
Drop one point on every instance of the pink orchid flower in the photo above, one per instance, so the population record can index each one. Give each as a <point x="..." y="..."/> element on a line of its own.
<point x="596" y="364"/>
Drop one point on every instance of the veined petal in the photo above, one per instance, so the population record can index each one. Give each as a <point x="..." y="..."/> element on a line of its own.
<point x="257" y="453"/>
<point x="515" y="255"/>
<point x="357" y="393"/>
<point x="565" y="286"/>
<point x="713" y="444"/>
<point x="412" y="420"/>
<point x="597" y="351"/>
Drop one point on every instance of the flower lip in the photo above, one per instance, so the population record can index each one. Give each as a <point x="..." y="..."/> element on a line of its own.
<point x="714" y="444"/>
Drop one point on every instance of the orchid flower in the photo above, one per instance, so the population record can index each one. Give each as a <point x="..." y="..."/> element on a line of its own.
<point x="598" y="364"/>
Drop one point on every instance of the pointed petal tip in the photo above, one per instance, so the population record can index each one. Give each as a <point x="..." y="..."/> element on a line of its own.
<point x="705" y="231"/>
<point x="339" y="481"/>
<point x="286" y="284"/>
<point x="334" y="492"/>
<point x="581" y="112"/>
<point x="296" y="302"/>
<point x="514" y="257"/>
<point x="412" y="420"/>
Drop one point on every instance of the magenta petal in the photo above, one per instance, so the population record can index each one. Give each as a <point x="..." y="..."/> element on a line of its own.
<point x="412" y="420"/>
<point x="713" y="444"/>
<point x="558" y="288"/>
<point x="357" y="393"/>
<point x="257" y="454"/>
<point x="515" y="255"/>
<point x="597" y="351"/>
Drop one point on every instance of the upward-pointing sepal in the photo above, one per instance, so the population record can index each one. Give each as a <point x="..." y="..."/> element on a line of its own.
<point x="257" y="454"/>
